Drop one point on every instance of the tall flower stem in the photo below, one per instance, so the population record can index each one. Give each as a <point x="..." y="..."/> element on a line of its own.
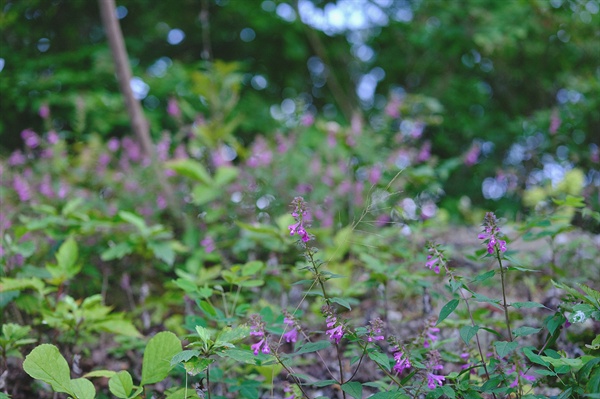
<point x="504" y="305"/>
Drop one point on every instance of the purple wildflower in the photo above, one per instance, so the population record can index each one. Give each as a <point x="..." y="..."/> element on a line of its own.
<point x="302" y="216"/>
<point x="402" y="362"/>
<point x="113" y="144"/>
<point x="257" y="329"/>
<point x="522" y="375"/>
<point x="491" y="233"/>
<point x="208" y="244"/>
<point x="335" y="329"/>
<point x="374" y="330"/>
<point x="22" y="188"/>
<point x="435" y="258"/>
<point x="52" y="137"/>
<point x="472" y="155"/>
<point x="433" y="364"/>
<point x="430" y="336"/>
<point x="292" y="335"/>
<point x="31" y="139"/>
<point x="44" y="111"/>
<point x="433" y="380"/>
<point x="17" y="158"/>
<point x="173" y="108"/>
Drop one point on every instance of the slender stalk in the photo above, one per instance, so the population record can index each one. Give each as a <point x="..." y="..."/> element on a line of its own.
<point x="505" y="306"/>
<point x="208" y="381"/>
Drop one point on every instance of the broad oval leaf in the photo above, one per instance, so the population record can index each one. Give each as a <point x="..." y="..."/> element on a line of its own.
<point x="45" y="363"/>
<point x="157" y="357"/>
<point x="121" y="384"/>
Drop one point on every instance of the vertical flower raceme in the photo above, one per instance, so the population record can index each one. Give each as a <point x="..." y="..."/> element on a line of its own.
<point x="292" y="335"/>
<point x="430" y="335"/>
<point x="335" y="329"/>
<point x="492" y="233"/>
<point x="374" y="330"/>
<point x="302" y="217"/>
<point x="257" y="329"/>
<point x="402" y="362"/>
<point x="435" y="258"/>
<point x="433" y="365"/>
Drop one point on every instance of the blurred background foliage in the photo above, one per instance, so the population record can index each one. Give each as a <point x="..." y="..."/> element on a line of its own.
<point x="509" y="85"/>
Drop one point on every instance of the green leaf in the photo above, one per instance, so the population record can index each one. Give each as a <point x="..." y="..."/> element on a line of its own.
<point x="504" y="347"/>
<point x="184" y="356"/>
<point x="121" y="384"/>
<point x="119" y="327"/>
<point x="197" y="365"/>
<point x="353" y="389"/>
<point x="157" y="357"/>
<point x="484" y="276"/>
<point x="190" y="168"/>
<point x="203" y="333"/>
<point x="83" y="388"/>
<point x="534" y="358"/>
<point x="225" y="175"/>
<point x="447" y="310"/>
<point x="312" y="347"/>
<point x="100" y="373"/>
<point x="135" y="220"/>
<point x="527" y="305"/>
<point x="21" y="284"/>
<point x="239" y="355"/>
<point x="324" y="383"/>
<point x="67" y="254"/>
<point x="163" y="251"/>
<point x="380" y="358"/>
<point x="523" y="331"/>
<point x="341" y="301"/>
<point x="45" y="363"/>
<point x="468" y="332"/>
<point x="233" y="335"/>
<point x="117" y="251"/>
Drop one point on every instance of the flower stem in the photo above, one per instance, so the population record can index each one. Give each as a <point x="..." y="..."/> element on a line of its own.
<point x="505" y="306"/>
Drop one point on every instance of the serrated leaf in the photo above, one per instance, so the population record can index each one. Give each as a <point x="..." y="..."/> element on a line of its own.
<point x="353" y="388"/>
<point x="468" y="332"/>
<point x="233" y="335"/>
<point x="447" y="310"/>
<point x="21" y="284"/>
<point x="121" y="384"/>
<point x="184" y="356"/>
<point x="389" y="395"/>
<point x="157" y="357"/>
<point x="203" y="333"/>
<point x="324" y="383"/>
<point x="45" y="363"/>
<point x="503" y="348"/>
<point x="197" y="365"/>
<point x="67" y="254"/>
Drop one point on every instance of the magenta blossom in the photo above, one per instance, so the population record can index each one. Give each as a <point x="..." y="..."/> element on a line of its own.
<point x="302" y="217"/>
<point x="336" y="330"/>
<point x="374" y="330"/>
<point x="402" y="362"/>
<point x="491" y="233"/>
<point x="430" y="336"/>
<point x="292" y="335"/>
<point x="435" y="258"/>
